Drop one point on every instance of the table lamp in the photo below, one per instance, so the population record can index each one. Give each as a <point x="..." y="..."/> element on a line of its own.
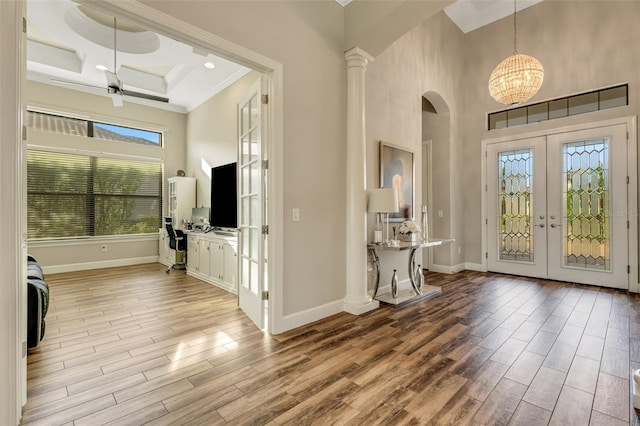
<point x="382" y="201"/>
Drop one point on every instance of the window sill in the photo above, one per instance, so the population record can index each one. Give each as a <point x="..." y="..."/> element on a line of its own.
<point x="60" y="242"/>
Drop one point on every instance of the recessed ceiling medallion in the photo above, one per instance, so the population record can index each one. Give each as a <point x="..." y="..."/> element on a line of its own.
<point x="98" y="28"/>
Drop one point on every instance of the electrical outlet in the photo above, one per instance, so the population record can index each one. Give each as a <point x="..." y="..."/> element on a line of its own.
<point x="459" y="250"/>
<point x="440" y="213"/>
<point x="296" y="214"/>
<point x="103" y="248"/>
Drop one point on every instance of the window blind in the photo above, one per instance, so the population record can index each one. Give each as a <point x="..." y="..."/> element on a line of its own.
<point x="75" y="195"/>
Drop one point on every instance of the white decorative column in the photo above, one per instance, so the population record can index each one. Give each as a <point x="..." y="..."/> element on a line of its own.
<point x="357" y="300"/>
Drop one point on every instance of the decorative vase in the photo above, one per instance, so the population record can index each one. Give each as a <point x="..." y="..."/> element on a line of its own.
<point x="425" y="224"/>
<point x="410" y="238"/>
<point x="394" y="284"/>
<point x="419" y="277"/>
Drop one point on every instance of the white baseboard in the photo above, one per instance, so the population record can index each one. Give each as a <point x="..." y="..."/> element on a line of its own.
<point x="57" y="269"/>
<point x="291" y="321"/>
<point x="445" y="269"/>
<point x="474" y="267"/>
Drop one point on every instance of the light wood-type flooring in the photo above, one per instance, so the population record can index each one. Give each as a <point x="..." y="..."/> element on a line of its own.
<point x="133" y="346"/>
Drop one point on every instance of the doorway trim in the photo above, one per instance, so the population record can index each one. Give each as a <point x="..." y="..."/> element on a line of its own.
<point x="427" y="168"/>
<point x="632" y="190"/>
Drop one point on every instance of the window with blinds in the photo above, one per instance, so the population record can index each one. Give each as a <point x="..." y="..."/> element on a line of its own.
<point x="73" y="195"/>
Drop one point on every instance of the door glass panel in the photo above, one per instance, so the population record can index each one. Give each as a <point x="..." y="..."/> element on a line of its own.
<point x="244" y="118"/>
<point x="254" y="243"/>
<point x="245" y="212"/>
<point x="515" y="177"/>
<point x="253" y="107"/>
<point x="245" y="180"/>
<point x="586" y="204"/>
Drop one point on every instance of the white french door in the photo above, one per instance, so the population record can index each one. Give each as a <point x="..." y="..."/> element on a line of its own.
<point x="251" y="217"/>
<point x="557" y="207"/>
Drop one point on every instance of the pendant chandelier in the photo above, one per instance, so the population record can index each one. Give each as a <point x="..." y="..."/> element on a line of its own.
<point x="516" y="79"/>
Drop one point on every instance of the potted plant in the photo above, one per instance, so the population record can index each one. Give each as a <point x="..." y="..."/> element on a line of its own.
<point x="409" y="231"/>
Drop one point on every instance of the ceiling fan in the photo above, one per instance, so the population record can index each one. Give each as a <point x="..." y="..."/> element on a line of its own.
<point x="115" y="87"/>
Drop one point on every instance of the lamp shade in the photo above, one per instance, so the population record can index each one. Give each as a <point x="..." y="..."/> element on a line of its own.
<point x="383" y="200"/>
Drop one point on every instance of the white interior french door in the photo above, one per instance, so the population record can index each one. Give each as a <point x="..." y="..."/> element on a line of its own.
<point x="251" y="241"/>
<point x="557" y="207"/>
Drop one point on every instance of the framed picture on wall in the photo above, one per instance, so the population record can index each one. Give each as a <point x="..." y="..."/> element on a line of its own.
<point x="397" y="172"/>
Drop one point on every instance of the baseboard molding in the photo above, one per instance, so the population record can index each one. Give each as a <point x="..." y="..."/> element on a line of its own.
<point x="474" y="267"/>
<point x="72" y="267"/>
<point x="291" y="321"/>
<point x="444" y="269"/>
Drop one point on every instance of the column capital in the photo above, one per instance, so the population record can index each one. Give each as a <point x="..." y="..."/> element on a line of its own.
<point x="357" y="57"/>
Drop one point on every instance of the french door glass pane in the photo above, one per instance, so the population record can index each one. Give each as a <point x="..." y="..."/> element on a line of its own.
<point x="515" y="178"/>
<point x="586" y="206"/>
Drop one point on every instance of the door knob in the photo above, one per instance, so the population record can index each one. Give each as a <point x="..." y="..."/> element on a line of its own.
<point x="541" y="225"/>
<point x="553" y="225"/>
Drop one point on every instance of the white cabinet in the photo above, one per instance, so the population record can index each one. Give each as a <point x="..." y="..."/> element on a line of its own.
<point x="215" y="259"/>
<point x="204" y="256"/>
<point x="193" y="253"/>
<point x="182" y="198"/>
<point x="166" y="256"/>
<point x="230" y="264"/>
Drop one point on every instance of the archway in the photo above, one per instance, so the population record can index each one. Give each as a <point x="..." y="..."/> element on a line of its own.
<point x="436" y="177"/>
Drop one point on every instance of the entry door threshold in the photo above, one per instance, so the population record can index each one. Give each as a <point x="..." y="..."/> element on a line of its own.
<point x="407" y="295"/>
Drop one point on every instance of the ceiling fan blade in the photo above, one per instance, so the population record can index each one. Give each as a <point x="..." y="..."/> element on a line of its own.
<point x="116" y="98"/>
<point x="144" y="96"/>
<point x="73" y="83"/>
<point x="112" y="80"/>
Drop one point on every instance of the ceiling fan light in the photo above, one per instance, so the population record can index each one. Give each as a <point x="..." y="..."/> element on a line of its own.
<point x="516" y="79"/>
<point x="209" y="65"/>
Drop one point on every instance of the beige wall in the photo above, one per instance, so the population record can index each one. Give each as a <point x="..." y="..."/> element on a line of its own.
<point x="64" y="256"/>
<point x="212" y="135"/>
<point x="436" y="128"/>
<point x="422" y="60"/>
<point x="306" y="37"/>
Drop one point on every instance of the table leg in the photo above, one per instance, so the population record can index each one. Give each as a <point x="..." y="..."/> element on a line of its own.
<point x="376" y="260"/>
<point x="412" y="272"/>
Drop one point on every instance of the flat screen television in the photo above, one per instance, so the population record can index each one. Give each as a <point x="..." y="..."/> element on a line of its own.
<point x="224" y="196"/>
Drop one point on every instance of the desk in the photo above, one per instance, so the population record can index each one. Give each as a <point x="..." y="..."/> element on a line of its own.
<point x="412" y="247"/>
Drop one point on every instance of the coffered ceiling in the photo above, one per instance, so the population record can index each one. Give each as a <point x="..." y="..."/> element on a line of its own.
<point x="71" y="46"/>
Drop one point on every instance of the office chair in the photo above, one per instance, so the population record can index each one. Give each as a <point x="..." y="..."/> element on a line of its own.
<point x="177" y="242"/>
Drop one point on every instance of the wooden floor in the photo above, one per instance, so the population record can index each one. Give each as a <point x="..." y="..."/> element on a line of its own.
<point x="133" y="346"/>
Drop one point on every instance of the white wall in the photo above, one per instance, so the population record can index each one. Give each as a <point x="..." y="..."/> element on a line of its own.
<point x="307" y="38"/>
<point x="59" y="257"/>
<point x="212" y="135"/>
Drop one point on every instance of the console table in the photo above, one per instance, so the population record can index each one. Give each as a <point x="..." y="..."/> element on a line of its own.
<point x="412" y="247"/>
